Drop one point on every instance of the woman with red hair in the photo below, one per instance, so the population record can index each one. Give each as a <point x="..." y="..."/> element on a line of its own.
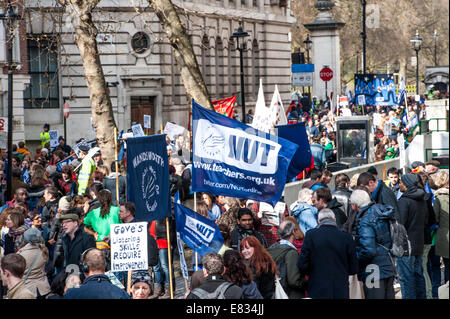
<point x="262" y="265"/>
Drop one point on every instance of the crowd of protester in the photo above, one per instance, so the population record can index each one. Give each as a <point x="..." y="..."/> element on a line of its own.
<point x="55" y="230"/>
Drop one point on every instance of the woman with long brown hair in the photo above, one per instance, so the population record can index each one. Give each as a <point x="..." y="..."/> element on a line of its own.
<point x="100" y="219"/>
<point x="262" y="265"/>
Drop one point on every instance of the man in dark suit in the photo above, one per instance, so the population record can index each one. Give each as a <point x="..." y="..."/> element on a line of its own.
<point x="328" y="257"/>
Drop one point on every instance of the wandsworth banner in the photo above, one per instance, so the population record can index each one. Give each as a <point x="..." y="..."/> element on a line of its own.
<point x="148" y="177"/>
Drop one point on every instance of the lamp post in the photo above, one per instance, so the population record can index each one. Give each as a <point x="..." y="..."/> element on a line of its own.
<point x="308" y="45"/>
<point x="10" y="17"/>
<point x="435" y="36"/>
<point x="241" y="47"/>
<point x="363" y="34"/>
<point x="417" y="43"/>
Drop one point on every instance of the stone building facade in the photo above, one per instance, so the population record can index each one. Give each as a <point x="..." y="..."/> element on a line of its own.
<point x="139" y="66"/>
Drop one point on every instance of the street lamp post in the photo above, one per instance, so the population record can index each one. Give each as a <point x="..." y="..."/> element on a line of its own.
<point x="417" y="43"/>
<point x="308" y="45"/>
<point x="240" y="33"/>
<point x="10" y="17"/>
<point x="435" y="36"/>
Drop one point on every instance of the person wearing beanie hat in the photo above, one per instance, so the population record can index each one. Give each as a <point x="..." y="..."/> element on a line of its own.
<point x="64" y="204"/>
<point x="409" y="181"/>
<point x="413" y="214"/>
<point x="36" y="257"/>
<point x="32" y="236"/>
<point x="141" y="284"/>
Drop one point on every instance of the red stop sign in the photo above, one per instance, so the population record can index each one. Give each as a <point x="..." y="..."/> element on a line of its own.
<point x="326" y="74"/>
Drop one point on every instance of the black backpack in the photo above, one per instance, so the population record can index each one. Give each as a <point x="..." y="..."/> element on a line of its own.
<point x="401" y="246"/>
<point x="219" y="293"/>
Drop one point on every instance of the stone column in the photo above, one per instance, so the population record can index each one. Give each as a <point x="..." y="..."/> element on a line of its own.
<point x="325" y="49"/>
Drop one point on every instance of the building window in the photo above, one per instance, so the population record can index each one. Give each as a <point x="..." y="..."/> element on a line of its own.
<point x="43" y="91"/>
<point x="140" y="42"/>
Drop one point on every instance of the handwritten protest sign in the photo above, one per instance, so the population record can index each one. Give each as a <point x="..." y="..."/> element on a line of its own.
<point x="147" y="121"/>
<point x="53" y="138"/>
<point x="137" y="130"/>
<point x="129" y="247"/>
<point x="172" y="130"/>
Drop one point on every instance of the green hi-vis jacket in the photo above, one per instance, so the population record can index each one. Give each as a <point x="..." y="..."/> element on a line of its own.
<point x="87" y="168"/>
<point x="45" y="137"/>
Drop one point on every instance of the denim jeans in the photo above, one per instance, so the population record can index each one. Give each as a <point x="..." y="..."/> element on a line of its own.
<point x="411" y="278"/>
<point x="162" y="268"/>
<point x="434" y="269"/>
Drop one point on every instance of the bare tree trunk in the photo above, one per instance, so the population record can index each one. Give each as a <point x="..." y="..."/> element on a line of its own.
<point x="101" y="107"/>
<point x="183" y="51"/>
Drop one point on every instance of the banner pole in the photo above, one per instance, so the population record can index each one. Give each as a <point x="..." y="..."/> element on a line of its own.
<point x="64" y="159"/>
<point x="384" y="171"/>
<point x="195" y="209"/>
<point x="170" y="257"/>
<point x="129" y="282"/>
<point x="117" y="166"/>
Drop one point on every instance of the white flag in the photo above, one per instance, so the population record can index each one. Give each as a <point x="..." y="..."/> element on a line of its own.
<point x="277" y="110"/>
<point x="262" y="119"/>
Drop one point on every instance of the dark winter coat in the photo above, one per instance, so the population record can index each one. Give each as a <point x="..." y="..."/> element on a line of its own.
<point x="373" y="240"/>
<point x="265" y="282"/>
<point x="342" y="195"/>
<point x="336" y="207"/>
<point x="384" y="195"/>
<point x="295" y="281"/>
<point x="240" y="233"/>
<point x="74" y="248"/>
<point x="110" y="184"/>
<point x="96" y="287"/>
<point x="328" y="257"/>
<point x="57" y="251"/>
<point x="93" y="204"/>
<point x="213" y="282"/>
<point x="412" y="212"/>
